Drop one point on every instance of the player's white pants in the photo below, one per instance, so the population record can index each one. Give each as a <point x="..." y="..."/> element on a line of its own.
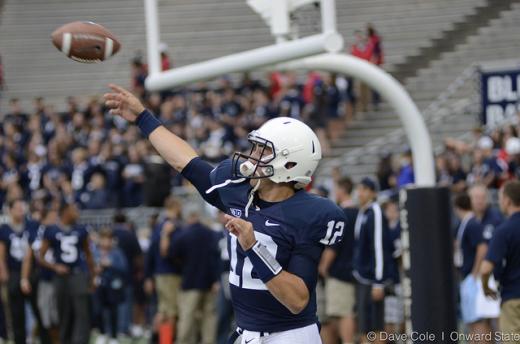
<point x="303" y="335"/>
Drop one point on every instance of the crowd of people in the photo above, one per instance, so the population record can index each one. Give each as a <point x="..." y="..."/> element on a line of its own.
<point x="175" y="283"/>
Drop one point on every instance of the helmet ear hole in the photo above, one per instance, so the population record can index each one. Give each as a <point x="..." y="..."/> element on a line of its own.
<point x="289" y="165"/>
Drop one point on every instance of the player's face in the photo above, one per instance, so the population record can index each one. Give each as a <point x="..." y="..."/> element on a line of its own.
<point x="261" y="151"/>
<point x="70" y="215"/>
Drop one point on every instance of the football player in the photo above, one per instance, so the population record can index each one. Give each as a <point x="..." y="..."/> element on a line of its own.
<point x="15" y="236"/>
<point x="278" y="231"/>
<point x="74" y="271"/>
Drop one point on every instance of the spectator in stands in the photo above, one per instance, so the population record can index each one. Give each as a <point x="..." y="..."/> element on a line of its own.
<point x="165" y="271"/>
<point x="197" y="298"/>
<point x="15" y="236"/>
<point x="385" y="173"/>
<point x="165" y="59"/>
<point x="485" y="167"/>
<point x="406" y="175"/>
<point x="2" y="77"/>
<point x="372" y="262"/>
<point x="376" y="56"/>
<point x="96" y="195"/>
<point x="336" y="266"/>
<point x="133" y="179"/>
<point x="361" y="49"/>
<point x="128" y="243"/>
<point x="503" y="258"/>
<point x="470" y="250"/>
<point x="513" y="157"/>
<point x="74" y="268"/>
<point x="138" y="73"/>
<point x="111" y="268"/>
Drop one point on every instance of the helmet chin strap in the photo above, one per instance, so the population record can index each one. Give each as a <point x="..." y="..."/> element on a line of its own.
<point x="247" y="168"/>
<point x="252" y="196"/>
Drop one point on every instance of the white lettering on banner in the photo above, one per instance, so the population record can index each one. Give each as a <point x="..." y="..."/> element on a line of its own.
<point x="500" y="88"/>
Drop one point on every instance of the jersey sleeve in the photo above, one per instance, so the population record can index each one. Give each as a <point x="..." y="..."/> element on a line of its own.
<point x="497" y="247"/>
<point x="329" y="227"/>
<point x="203" y="176"/>
<point x="4" y="234"/>
<point x="476" y="234"/>
<point x="326" y="230"/>
<point x="48" y="233"/>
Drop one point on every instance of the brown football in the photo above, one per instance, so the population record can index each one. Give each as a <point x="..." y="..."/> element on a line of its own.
<point x="85" y="41"/>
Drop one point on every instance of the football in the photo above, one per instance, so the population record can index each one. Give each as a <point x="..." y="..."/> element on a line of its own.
<point x="85" y="41"/>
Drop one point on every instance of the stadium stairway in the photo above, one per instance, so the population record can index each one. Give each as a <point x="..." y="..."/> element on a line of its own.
<point x="458" y="114"/>
<point x="195" y="30"/>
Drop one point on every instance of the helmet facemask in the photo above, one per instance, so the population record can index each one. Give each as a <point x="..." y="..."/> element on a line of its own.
<point x="254" y="167"/>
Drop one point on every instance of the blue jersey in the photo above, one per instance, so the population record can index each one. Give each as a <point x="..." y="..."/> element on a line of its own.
<point x="492" y="219"/>
<point x="67" y="245"/>
<point x="504" y="254"/>
<point x="17" y="243"/>
<point x="156" y="264"/>
<point x="341" y="267"/>
<point x="373" y="261"/>
<point x="44" y="273"/>
<point x="295" y="232"/>
<point x="470" y="235"/>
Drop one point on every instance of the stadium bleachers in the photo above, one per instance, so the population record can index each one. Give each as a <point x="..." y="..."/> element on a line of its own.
<point x="195" y="31"/>
<point x="491" y="42"/>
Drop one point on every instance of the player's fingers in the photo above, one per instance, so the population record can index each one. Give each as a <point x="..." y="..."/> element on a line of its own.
<point x="115" y="112"/>
<point x="118" y="88"/>
<point x="112" y="103"/>
<point x="111" y="95"/>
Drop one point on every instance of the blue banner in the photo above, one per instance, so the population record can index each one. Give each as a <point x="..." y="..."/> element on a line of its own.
<point x="500" y="93"/>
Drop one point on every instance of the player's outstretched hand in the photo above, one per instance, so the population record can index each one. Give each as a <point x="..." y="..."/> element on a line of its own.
<point x="123" y="103"/>
<point x="242" y="229"/>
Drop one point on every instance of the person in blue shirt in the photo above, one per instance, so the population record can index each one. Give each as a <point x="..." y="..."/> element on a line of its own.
<point x="44" y="286"/>
<point x="470" y="250"/>
<point x="372" y="262"/>
<point x="336" y="266"/>
<point x="128" y="243"/>
<point x="111" y="269"/>
<point x="200" y="272"/>
<point x="161" y="271"/>
<point x="394" y="304"/>
<point x="277" y="230"/>
<point x="485" y="213"/>
<point x="15" y="238"/>
<point x="225" y="316"/>
<point x="74" y="272"/>
<point x="503" y="258"/>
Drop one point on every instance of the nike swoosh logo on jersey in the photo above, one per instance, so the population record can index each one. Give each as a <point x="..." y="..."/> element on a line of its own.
<point x="249" y="341"/>
<point x="270" y="224"/>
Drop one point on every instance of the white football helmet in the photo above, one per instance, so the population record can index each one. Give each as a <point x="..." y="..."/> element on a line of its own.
<point x="296" y="152"/>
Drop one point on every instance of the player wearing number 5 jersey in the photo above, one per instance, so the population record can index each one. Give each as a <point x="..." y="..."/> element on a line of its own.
<point x="73" y="266"/>
<point x="277" y="230"/>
